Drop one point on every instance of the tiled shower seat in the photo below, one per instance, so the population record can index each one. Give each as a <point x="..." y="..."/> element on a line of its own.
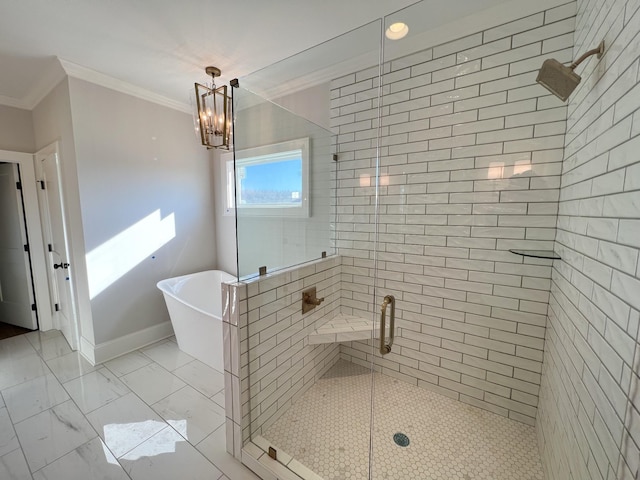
<point x="344" y="328"/>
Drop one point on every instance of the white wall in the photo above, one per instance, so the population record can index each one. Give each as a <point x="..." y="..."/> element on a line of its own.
<point x="589" y="401"/>
<point x="225" y="225"/>
<point x="311" y="104"/>
<point x="16" y="130"/>
<point x="138" y="160"/>
<point x="52" y="122"/>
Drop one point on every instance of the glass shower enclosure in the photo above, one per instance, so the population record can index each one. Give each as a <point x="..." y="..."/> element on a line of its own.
<point x="364" y="151"/>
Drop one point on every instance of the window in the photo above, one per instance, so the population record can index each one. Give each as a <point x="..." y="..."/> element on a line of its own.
<point x="272" y="180"/>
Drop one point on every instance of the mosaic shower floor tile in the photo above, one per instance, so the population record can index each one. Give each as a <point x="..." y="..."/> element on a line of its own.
<point x="327" y="430"/>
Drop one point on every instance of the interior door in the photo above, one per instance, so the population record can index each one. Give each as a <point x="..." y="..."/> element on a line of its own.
<point x="16" y="287"/>
<point x="58" y="273"/>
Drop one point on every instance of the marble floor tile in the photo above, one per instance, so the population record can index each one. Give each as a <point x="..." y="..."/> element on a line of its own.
<point x="201" y="377"/>
<point x="219" y="398"/>
<point x="13" y="466"/>
<point x="127" y="363"/>
<point x="44" y="430"/>
<point x="165" y="456"/>
<point x="38" y="335"/>
<point x="152" y="383"/>
<point x="191" y="414"/>
<point x="8" y="439"/>
<point x="49" y="347"/>
<point x="15" y="347"/>
<point x="91" y="461"/>
<point x="125" y="423"/>
<point x="47" y="436"/>
<point x="16" y="370"/>
<point x="95" y="389"/>
<point x="34" y="396"/>
<point x="70" y="366"/>
<point x="214" y="448"/>
<point x="167" y="354"/>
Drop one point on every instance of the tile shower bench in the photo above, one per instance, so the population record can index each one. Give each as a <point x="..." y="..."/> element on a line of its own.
<point x="343" y="328"/>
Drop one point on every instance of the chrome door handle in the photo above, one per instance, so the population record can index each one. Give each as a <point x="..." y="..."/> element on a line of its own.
<point x="386" y="347"/>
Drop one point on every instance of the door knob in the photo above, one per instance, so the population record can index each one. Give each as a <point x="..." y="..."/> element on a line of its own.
<point x="60" y="265"/>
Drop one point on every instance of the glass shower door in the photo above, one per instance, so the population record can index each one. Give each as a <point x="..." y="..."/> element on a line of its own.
<point x="406" y="296"/>
<point x="453" y="174"/>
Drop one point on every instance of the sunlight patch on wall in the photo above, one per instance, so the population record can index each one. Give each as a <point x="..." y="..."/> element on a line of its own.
<point x="496" y="170"/>
<point x="120" y="254"/>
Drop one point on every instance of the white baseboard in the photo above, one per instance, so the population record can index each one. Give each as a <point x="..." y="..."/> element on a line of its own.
<point x="87" y="350"/>
<point x="103" y="352"/>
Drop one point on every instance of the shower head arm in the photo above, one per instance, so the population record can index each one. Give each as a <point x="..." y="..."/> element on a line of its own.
<point x="596" y="51"/>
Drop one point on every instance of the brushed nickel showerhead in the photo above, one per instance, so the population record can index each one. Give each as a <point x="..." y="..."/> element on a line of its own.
<point x="558" y="78"/>
<point x="561" y="80"/>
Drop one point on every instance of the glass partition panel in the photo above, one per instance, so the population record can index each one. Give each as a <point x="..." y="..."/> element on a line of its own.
<point x="307" y="128"/>
<point x="283" y="182"/>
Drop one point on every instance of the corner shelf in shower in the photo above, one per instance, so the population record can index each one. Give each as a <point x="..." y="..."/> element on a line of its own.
<point x="344" y="328"/>
<point x="548" y="254"/>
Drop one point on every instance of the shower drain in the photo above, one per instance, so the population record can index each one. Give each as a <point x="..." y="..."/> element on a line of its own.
<point x="401" y="440"/>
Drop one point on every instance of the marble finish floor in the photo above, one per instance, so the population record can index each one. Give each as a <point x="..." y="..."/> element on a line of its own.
<point x="327" y="430"/>
<point x="156" y="413"/>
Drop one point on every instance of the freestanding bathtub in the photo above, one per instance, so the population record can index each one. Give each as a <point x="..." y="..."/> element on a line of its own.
<point x="195" y="307"/>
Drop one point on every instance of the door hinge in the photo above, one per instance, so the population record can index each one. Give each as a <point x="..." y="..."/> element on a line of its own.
<point x="26" y="248"/>
<point x="33" y="307"/>
<point x="19" y="185"/>
<point x="41" y="184"/>
<point x="50" y="247"/>
<point x="57" y="307"/>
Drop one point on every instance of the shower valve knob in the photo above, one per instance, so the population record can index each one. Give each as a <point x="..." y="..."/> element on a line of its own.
<point x="313" y="300"/>
<point x="309" y="300"/>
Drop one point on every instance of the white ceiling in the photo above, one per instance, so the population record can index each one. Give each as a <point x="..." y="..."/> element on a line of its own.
<point x="163" y="46"/>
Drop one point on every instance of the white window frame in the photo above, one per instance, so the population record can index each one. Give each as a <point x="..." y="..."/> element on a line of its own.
<point x="264" y="154"/>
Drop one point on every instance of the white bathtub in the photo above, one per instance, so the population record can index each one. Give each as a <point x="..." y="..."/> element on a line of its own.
<point x="195" y="307"/>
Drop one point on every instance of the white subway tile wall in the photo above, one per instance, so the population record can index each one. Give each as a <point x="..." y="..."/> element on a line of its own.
<point x="471" y="155"/>
<point x="589" y="402"/>
<point x="276" y="363"/>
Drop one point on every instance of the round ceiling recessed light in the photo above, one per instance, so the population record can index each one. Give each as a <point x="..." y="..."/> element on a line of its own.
<point x="396" y="31"/>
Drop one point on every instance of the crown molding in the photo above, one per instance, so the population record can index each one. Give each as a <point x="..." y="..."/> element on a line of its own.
<point x="83" y="73"/>
<point x="50" y="78"/>
<point x="13" y="102"/>
<point x="61" y="68"/>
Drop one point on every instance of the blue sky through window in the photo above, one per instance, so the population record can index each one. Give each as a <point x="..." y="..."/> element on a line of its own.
<point x="271" y="183"/>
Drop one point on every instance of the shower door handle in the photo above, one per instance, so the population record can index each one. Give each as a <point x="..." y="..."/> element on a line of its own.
<point x="386" y="347"/>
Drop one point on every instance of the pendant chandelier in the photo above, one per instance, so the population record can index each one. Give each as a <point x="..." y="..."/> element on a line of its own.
<point x="214" y="113"/>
